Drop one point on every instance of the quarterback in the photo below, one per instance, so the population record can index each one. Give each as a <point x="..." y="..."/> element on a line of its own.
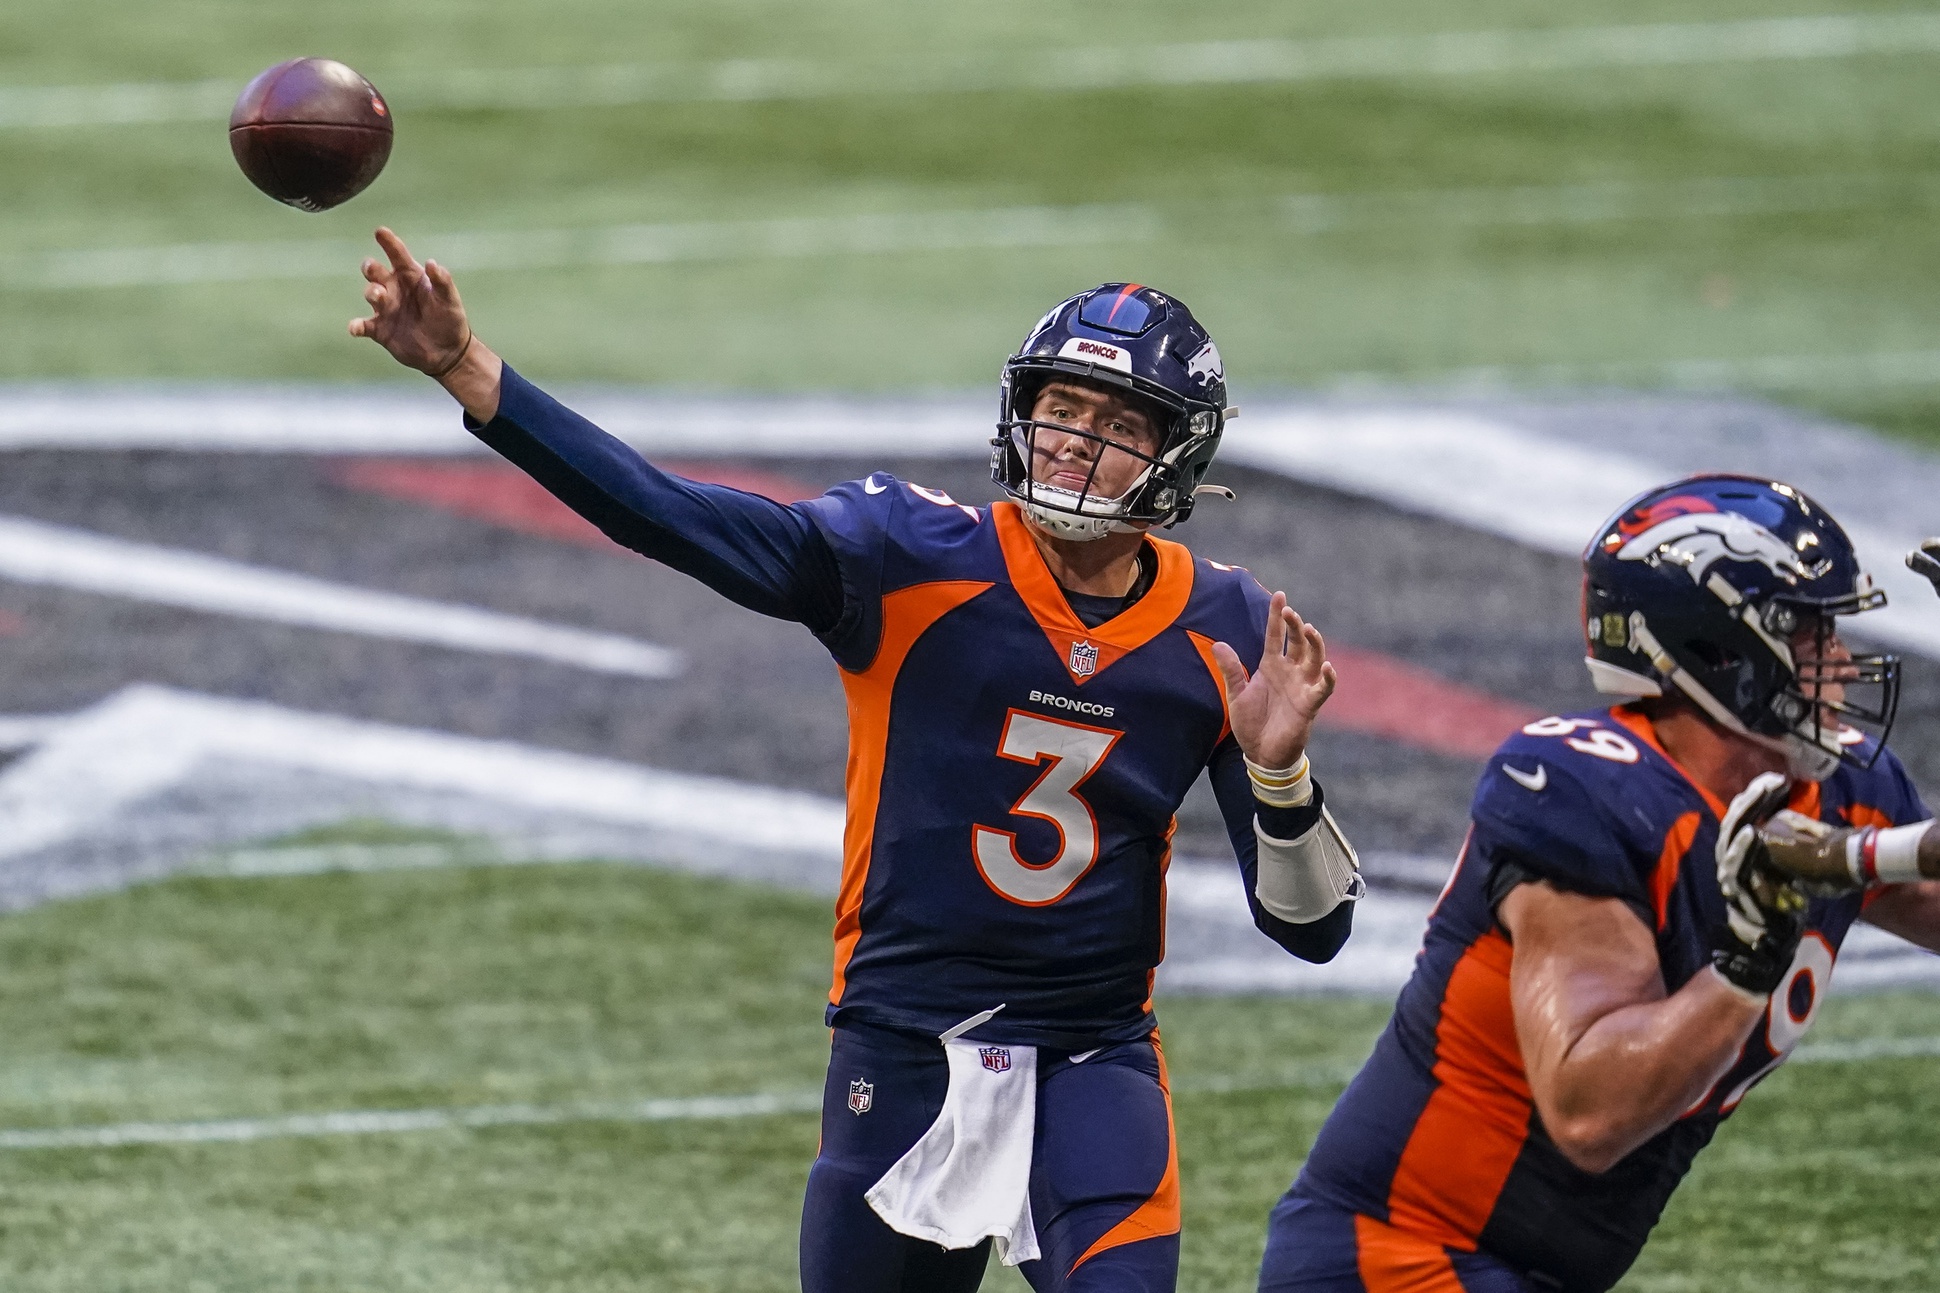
<point x="1032" y="688"/>
<point x="1627" y="945"/>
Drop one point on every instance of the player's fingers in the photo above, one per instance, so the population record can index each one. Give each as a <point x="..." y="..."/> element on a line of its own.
<point x="374" y="296"/>
<point x="402" y="262"/>
<point x="1230" y="669"/>
<point x="1316" y="649"/>
<point x="377" y="271"/>
<point x="362" y="327"/>
<point x="1328" y="681"/>
<point x="1276" y="628"/>
<point x="442" y="285"/>
<point x="1296" y="635"/>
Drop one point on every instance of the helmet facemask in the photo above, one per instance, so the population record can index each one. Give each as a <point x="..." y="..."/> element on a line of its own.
<point x="1085" y="513"/>
<point x="1835" y="700"/>
<point x="1161" y="493"/>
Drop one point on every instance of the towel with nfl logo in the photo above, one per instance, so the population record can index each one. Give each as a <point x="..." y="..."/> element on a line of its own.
<point x="969" y="1177"/>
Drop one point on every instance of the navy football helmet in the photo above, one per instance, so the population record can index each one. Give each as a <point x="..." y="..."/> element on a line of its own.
<point x="1726" y="589"/>
<point x="1137" y="340"/>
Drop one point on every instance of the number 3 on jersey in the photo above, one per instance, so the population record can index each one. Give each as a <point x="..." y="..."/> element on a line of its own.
<point x="1075" y="752"/>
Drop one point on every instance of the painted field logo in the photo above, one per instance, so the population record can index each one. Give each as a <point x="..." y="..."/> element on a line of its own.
<point x="862" y="1096"/>
<point x="995" y="1058"/>
<point x="1084" y="659"/>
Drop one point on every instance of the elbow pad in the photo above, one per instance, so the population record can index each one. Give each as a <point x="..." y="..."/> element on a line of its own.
<point x="1302" y="880"/>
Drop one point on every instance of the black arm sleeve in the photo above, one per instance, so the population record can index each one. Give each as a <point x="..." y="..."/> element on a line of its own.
<point x="752" y="550"/>
<point x="1317" y="941"/>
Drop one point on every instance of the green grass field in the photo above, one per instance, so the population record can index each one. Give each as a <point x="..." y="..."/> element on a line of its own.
<point x="201" y="999"/>
<point x="1830" y="253"/>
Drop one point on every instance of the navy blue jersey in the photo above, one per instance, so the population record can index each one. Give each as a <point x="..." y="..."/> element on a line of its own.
<point x="1012" y="773"/>
<point x="1439" y="1135"/>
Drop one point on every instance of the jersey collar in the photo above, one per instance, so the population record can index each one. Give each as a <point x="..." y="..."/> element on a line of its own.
<point x="1087" y="652"/>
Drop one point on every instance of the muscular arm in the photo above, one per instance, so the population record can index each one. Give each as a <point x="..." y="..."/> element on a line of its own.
<point x="1611" y="1058"/>
<point x="752" y="550"/>
<point x="1317" y="941"/>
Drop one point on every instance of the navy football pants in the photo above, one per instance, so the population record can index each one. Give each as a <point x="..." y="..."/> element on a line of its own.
<point x="1104" y="1181"/>
<point x="1312" y="1247"/>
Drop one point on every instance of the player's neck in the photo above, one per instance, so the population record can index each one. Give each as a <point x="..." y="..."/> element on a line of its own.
<point x="1724" y="763"/>
<point x="1102" y="567"/>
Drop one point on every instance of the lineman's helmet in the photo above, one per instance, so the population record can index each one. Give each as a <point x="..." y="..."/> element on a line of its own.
<point x="1703" y="587"/>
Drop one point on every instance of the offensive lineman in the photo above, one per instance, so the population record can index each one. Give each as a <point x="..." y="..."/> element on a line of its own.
<point x="1615" y="962"/>
<point x="1032" y="689"/>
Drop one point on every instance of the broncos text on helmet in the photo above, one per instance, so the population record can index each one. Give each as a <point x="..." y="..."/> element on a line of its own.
<point x="1140" y="341"/>
<point x="1725" y="589"/>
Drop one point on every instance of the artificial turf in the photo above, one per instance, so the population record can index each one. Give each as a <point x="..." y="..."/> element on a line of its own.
<point x="1403" y="286"/>
<point x="204" y="998"/>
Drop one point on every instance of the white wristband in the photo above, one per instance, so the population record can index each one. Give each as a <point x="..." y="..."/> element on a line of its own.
<point x="1889" y="856"/>
<point x="1282" y="787"/>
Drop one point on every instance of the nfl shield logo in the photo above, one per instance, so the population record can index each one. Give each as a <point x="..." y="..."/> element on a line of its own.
<point x="862" y="1096"/>
<point x="995" y="1058"/>
<point x="1084" y="659"/>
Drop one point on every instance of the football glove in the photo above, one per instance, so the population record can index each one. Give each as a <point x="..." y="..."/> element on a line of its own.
<point x="1925" y="560"/>
<point x="1764" y="909"/>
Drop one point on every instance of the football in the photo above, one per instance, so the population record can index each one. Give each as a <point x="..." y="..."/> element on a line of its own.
<point x="311" y="133"/>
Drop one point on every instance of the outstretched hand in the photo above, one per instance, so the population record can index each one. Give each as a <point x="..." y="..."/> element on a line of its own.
<point x="1273" y="711"/>
<point x="1925" y="560"/>
<point x="415" y="311"/>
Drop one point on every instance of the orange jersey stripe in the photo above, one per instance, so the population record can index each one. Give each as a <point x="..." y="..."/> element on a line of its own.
<point x="1394" y="1261"/>
<point x="1663" y="881"/>
<point x="1467" y="1138"/>
<point x="907" y="614"/>
<point x="1204" y="646"/>
<point x="1640" y="728"/>
<point x="1158" y="1216"/>
<point x="1117" y="637"/>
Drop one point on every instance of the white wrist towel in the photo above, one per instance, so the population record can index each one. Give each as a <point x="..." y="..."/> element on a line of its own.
<point x="969" y="1177"/>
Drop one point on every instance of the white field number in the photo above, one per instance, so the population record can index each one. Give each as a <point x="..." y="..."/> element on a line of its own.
<point x="1075" y="751"/>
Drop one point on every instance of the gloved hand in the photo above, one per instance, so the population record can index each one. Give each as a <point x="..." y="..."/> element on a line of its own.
<point x="1925" y="560"/>
<point x="1764" y="909"/>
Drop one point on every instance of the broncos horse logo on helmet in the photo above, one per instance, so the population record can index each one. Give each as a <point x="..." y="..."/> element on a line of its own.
<point x="1704" y="586"/>
<point x="1140" y="341"/>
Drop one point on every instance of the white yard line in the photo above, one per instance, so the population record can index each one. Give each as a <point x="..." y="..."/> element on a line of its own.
<point x="629" y="244"/>
<point x="380" y="1122"/>
<point x="144" y="740"/>
<point x="1894" y="368"/>
<point x="23" y="732"/>
<point x="1231" y="62"/>
<point x="369" y="1122"/>
<point x="889" y="233"/>
<point x="33" y="552"/>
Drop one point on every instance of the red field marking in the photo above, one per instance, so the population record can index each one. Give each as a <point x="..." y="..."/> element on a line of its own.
<point x="11" y="626"/>
<point x="503" y="495"/>
<point x="1380" y="696"/>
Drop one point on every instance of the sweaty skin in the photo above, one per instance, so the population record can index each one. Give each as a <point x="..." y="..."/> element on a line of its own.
<point x="417" y="316"/>
<point x="1612" y="1059"/>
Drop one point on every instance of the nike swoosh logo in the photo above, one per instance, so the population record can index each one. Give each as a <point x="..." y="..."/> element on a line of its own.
<point x="1079" y="1059"/>
<point x="870" y="486"/>
<point x="1529" y="780"/>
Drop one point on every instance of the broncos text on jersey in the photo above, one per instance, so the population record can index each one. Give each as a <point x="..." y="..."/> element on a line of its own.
<point x="1012" y="774"/>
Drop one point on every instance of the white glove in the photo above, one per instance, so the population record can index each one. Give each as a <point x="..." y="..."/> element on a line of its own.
<point x="1749" y="901"/>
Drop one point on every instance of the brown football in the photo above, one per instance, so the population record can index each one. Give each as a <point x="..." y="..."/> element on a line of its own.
<point x="311" y="132"/>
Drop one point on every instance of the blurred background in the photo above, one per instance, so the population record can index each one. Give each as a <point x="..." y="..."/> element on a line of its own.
<point x="405" y="888"/>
